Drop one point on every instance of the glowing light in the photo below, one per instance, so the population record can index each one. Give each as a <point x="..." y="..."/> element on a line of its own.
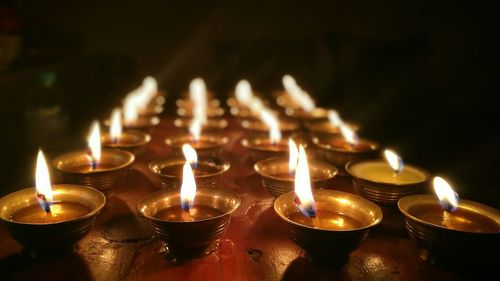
<point x="42" y="182"/>
<point x="198" y="94"/>
<point x="130" y="109"/>
<point x="394" y="160"/>
<point x="115" y="129"/>
<point x="190" y="154"/>
<point x="294" y="155"/>
<point x="195" y="129"/>
<point x="448" y="198"/>
<point x="349" y="135"/>
<point x="303" y="194"/>
<point x="268" y="118"/>
<point x="188" y="187"/>
<point x="299" y="96"/>
<point x="334" y="118"/>
<point x="94" y="144"/>
<point x="244" y="92"/>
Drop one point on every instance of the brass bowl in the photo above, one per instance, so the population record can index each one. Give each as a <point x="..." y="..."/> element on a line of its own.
<point x="208" y="145"/>
<point x="73" y="167"/>
<point x="144" y="124"/>
<point x="257" y="128"/>
<point x="386" y="193"/>
<point x="305" y="116"/>
<point x="131" y="141"/>
<point x="324" y="128"/>
<point x="188" y="104"/>
<point x="173" y="179"/>
<point x="210" y="125"/>
<point x="275" y="174"/>
<point x="51" y="236"/>
<point x="212" y="112"/>
<point x="190" y="239"/>
<point x="261" y="148"/>
<point x="439" y="245"/>
<point x="325" y="246"/>
<point x="339" y="156"/>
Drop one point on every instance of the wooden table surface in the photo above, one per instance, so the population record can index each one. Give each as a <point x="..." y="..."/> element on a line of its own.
<point x="254" y="247"/>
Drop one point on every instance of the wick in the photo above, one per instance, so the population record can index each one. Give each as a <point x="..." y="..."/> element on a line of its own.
<point x="45" y="203"/>
<point x="114" y="140"/>
<point x="93" y="163"/>
<point x="186" y="214"/>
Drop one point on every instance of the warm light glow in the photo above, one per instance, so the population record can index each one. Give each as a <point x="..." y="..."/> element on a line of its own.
<point x="394" y="160"/>
<point x="294" y="155"/>
<point x="195" y="129"/>
<point x="130" y="109"/>
<point x="42" y="182"/>
<point x="198" y="94"/>
<point x="448" y="198"/>
<point x="268" y="118"/>
<point x="349" y="135"/>
<point x="188" y="187"/>
<point x="138" y="99"/>
<point x="94" y="143"/>
<point x="334" y="118"/>
<point x="304" y="197"/>
<point x="115" y="130"/>
<point x="243" y="92"/>
<point x="190" y="154"/>
<point x="299" y="96"/>
<point x="256" y="105"/>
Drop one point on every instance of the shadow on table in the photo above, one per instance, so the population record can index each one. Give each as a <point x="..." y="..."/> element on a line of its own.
<point x="51" y="266"/>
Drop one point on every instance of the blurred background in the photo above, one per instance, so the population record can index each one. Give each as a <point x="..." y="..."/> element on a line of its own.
<point x="420" y="76"/>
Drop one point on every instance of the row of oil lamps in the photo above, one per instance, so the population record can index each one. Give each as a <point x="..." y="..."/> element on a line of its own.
<point x="192" y="211"/>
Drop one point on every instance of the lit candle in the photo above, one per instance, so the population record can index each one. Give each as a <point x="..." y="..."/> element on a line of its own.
<point x="94" y="145"/>
<point x="130" y="140"/>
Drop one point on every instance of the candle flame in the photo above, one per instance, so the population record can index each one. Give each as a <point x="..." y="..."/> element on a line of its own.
<point x="244" y="92"/>
<point x="195" y="129"/>
<point x="303" y="194"/>
<point x="334" y="118"/>
<point x="190" y="154"/>
<point x="349" y="135"/>
<point x="138" y="99"/>
<point x="115" y="129"/>
<point x="42" y="182"/>
<point x="130" y="109"/>
<point x="300" y="96"/>
<point x="256" y="105"/>
<point x="94" y="143"/>
<point x="188" y="187"/>
<point x="394" y="160"/>
<point x="198" y="94"/>
<point x="294" y="155"/>
<point x="448" y="198"/>
<point x="272" y="123"/>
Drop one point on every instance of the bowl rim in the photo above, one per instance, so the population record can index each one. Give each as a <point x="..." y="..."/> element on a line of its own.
<point x="223" y="162"/>
<point x="171" y="141"/>
<point x="350" y="164"/>
<point x="92" y="213"/>
<point x="284" y="159"/>
<point x="374" y="206"/>
<point x="247" y="143"/>
<point x="167" y="192"/>
<point x="130" y="159"/>
<point x="146" y="138"/>
<point x="404" y="205"/>
<point x="374" y="146"/>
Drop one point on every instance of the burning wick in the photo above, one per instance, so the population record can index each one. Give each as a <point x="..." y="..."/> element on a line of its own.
<point x="94" y="145"/>
<point x="448" y="199"/>
<point x="349" y="135"/>
<point x="46" y="204"/>
<point x="187" y="192"/>
<point x="394" y="161"/>
<point x="115" y="129"/>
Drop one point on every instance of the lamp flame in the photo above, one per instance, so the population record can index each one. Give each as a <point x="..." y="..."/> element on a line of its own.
<point x="195" y="129"/>
<point x="42" y="182"/>
<point x="448" y="198"/>
<point x="130" y="109"/>
<point x="300" y="96"/>
<point x="94" y="144"/>
<point x="116" y="125"/>
<point x="294" y="155"/>
<point x="334" y="118"/>
<point x="243" y="92"/>
<point x="273" y="124"/>
<point x="394" y="160"/>
<point x="188" y="187"/>
<point x="190" y="154"/>
<point x="349" y="135"/>
<point x="303" y="194"/>
<point x="198" y="94"/>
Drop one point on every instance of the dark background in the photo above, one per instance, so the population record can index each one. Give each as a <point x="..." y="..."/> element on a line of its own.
<point x="420" y="76"/>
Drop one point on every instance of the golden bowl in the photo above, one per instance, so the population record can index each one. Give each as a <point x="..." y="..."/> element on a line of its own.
<point x="131" y="141"/>
<point x="386" y="193"/>
<point x="333" y="150"/>
<point x="258" y="129"/>
<point x="262" y="148"/>
<point x="189" y="239"/>
<point x="276" y="177"/>
<point x="326" y="246"/>
<point x="207" y="174"/>
<point x="111" y="171"/>
<point x="212" y="124"/>
<point x="208" y="145"/>
<point x="51" y="236"/>
<point x="325" y="128"/>
<point x="475" y="239"/>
